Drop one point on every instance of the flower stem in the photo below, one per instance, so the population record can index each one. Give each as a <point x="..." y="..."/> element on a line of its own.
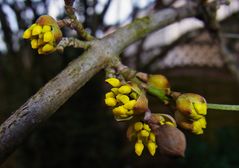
<point x="223" y="107"/>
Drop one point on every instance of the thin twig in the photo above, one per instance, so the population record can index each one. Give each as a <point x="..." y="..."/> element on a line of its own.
<point x="223" y="107"/>
<point x="78" y="26"/>
<point x="73" y="42"/>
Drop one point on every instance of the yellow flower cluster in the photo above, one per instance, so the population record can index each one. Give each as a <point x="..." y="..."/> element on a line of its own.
<point x="194" y="108"/>
<point x="145" y="137"/>
<point x="43" y="35"/>
<point x="122" y="98"/>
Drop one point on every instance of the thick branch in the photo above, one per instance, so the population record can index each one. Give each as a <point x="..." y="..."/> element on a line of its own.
<point x="57" y="91"/>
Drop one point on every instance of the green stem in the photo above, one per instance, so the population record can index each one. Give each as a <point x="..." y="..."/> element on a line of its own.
<point x="223" y="107"/>
<point x="158" y="93"/>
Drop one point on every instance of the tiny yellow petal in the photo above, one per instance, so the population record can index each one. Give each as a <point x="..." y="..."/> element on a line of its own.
<point x="125" y="89"/>
<point x="109" y="94"/>
<point x="47" y="48"/>
<point x="138" y="126"/>
<point x="146" y="127"/>
<point x="34" y="43"/>
<point x="139" y="147"/>
<point x="48" y="36"/>
<point x="113" y="82"/>
<point x="27" y="34"/>
<point x="152" y="148"/>
<point x="110" y="101"/>
<point x="144" y="133"/>
<point x="46" y="28"/>
<point x="130" y="105"/>
<point x="36" y="30"/>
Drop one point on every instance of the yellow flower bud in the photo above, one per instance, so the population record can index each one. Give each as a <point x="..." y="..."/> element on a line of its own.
<point x="120" y="110"/>
<point x="122" y="98"/>
<point x="134" y="95"/>
<point x="158" y="81"/>
<point x="192" y="105"/>
<point x="27" y="34"/>
<point x="34" y="43"/>
<point x="130" y="112"/>
<point x="152" y="137"/>
<point x="125" y="89"/>
<point x="47" y="48"/>
<point x="113" y="82"/>
<point x="48" y="36"/>
<point x="144" y="133"/>
<point x="40" y="51"/>
<point x="46" y="28"/>
<point x="138" y="126"/>
<point x="146" y="127"/>
<point x="130" y="105"/>
<point x="109" y="94"/>
<point x="36" y="30"/>
<point x="115" y="90"/>
<point x="139" y="147"/>
<point x="152" y="148"/>
<point x="110" y="101"/>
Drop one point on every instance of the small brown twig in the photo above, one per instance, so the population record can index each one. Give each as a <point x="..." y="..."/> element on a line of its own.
<point x="66" y="42"/>
<point x="78" y="26"/>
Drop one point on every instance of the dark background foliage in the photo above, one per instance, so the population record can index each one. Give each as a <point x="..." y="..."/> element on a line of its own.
<point x="83" y="132"/>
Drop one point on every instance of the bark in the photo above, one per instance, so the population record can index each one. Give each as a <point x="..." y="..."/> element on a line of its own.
<point x="57" y="91"/>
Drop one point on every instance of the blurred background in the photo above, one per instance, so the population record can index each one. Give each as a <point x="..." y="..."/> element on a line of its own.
<point x="83" y="133"/>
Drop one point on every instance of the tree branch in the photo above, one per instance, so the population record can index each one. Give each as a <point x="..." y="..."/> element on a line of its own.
<point x="57" y="91"/>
